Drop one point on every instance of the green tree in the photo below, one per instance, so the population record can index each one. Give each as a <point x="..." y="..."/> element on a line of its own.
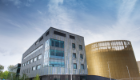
<point x="24" y="77"/>
<point x="5" y="74"/>
<point x="12" y="76"/>
<point x="37" y="77"/>
<point x="1" y="74"/>
<point x="1" y="67"/>
<point x="10" y="68"/>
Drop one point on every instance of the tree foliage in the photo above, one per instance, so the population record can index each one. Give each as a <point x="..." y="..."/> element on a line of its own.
<point x="5" y="74"/>
<point x="1" y="67"/>
<point x="10" y="67"/>
<point x="37" y="77"/>
<point x="24" y="77"/>
<point x="1" y="73"/>
<point x="12" y="76"/>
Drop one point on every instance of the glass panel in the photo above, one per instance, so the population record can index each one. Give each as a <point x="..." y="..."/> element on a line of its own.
<point x="23" y="64"/>
<point x="80" y="47"/>
<point x="73" y="45"/>
<point x="74" y="55"/>
<point x="39" y="66"/>
<point x="74" y="66"/>
<point x="34" y="68"/>
<point x="52" y="53"/>
<point x="31" y="60"/>
<point x="56" y="64"/>
<point x="47" y="52"/>
<point x="52" y="42"/>
<point x="61" y="44"/>
<point x="57" y="43"/>
<point x="56" y="54"/>
<point x="35" y="59"/>
<point x="28" y="62"/>
<point x="81" y="56"/>
<point x="82" y="66"/>
<point x="33" y="51"/>
<point x="40" y="56"/>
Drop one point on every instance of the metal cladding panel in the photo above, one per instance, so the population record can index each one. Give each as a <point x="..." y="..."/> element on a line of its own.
<point x="68" y="53"/>
<point x="113" y="59"/>
<point x="138" y="62"/>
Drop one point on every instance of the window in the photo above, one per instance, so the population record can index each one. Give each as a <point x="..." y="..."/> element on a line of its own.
<point x="28" y="62"/>
<point x="33" y="51"/>
<point x="57" y="43"/>
<point x="74" y="55"/>
<point x="74" y="66"/>
<point x="72" y="37"/>
<point x="56" y="54"/>
<point x="47" y="33"/>
<point x="59" y="33"/>
<point x="56" y="64"/>
<point x="39" y="57"/>
<point x="35" y="59"/>
<point x="81" y="56"/>
<point x="36" y="42"/>
<point x="61" y="44"/>
<point x="82" y="66"/>
<point x="33" y="68"/>
<point x="73" y="45"/>
<point x="80" y="47"/>
<point x="23" y="64"/>
<point x="38" y="66"/>
<point x="41" y="38"/>
<point x="31" y="61"/>
<point x="29" y="70"/>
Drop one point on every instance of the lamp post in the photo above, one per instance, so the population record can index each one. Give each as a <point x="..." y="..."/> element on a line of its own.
<point x="71" y="74"/>
<point x="128" y="72"/>
<point x="109" y="70"/>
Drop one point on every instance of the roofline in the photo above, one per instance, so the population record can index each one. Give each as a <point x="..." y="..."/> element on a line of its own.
<point x="107" y="41"/>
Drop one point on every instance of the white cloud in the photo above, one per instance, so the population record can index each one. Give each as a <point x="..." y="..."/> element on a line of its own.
<point x="64" y="19"/>
<point x="123" y="29"/>
<point x="59" y="17"/>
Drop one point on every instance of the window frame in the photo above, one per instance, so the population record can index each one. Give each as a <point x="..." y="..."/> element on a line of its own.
<point x="39" y="56"/>
<point x="23" y="65"/>
<point x="81" y="55"/>
<point x="57" y="43"/>
<point x="74" y="64"/>
<point x="82" y="66"/>
<point x="80" y="47"/>
<point x="71" y="37"/>
<point x="34" y="59"/>
<point x="33" y="68"/>
<point x="41" y="38"/>
<point x="59" y="33"/>
<point x="37" y="67"/>
<point x="73" y="44"/>
<point x="28" y="62"/>
<point x="74" y="54"/>
<point x="56" y="53"/>
<point x="47" y="33"/>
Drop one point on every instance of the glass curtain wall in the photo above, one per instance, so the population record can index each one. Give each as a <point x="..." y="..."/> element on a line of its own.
<point x="54" y="57"/>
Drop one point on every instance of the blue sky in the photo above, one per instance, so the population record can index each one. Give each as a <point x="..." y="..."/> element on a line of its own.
<point x="22" y="22"/>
